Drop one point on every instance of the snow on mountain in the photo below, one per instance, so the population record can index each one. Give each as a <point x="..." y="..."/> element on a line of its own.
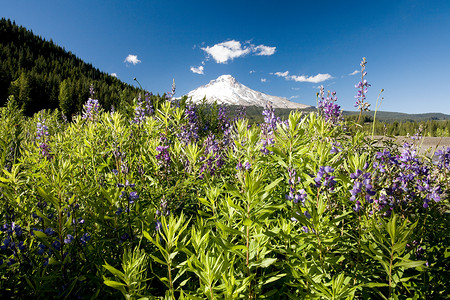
<point x="227" y="90"/>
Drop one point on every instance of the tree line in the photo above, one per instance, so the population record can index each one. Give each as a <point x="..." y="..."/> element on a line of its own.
<point x="42" y="75"/>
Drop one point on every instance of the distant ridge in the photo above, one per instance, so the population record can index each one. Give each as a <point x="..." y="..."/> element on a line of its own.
<point x="227" y="90"/>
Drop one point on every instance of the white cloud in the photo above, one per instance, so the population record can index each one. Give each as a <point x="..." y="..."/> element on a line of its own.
<point x="226" y="51"/>
<point x="114" y="74"/>
<point x="295" y="88"/>
<point x="252" y="71"/>
<point x="263" y="80"/>
<point x="294" y="97"/>
<point x="281" y="74"/>
<point x="229" y="50"/>
<point x="264" y="50"/>
<point x="314" y="79"/>
<point x="198" y="70"/>
<point x="132" y="59"/>
<point x="302" y="78"/>
<point x="353" y="73"/>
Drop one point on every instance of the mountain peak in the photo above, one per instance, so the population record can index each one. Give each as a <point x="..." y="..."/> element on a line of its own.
<point x="227" y="90"/>
<point x="225" y="78"/>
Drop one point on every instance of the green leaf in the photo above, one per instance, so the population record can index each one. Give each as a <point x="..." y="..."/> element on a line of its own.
<point x="274" y="278"/>
<point x="409" y="264"/>
<point x="376" y="284"/>
<point x="40" y="234"/>
<point x="114" y="271"/>
<point x="264" y="263"/>
<point x="114" y="284"/>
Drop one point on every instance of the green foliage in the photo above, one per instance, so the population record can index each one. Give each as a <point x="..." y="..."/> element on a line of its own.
<point x="111" y="207"/>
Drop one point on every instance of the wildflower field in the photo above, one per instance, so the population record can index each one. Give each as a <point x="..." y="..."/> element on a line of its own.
<point x="178" y="201"/>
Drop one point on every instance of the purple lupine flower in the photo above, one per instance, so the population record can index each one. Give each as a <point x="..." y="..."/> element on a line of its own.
<point x="158" y="225"/>
<point x="295" y="194"/>
<point x="443" y="158"/>
<point x="270" y="120"/>
<point x="69" y="239"/>
<point x="336" y="148"/>
<point x="362" y="86"/>
<point x="139" y="112"/>
<point x="241" y="113"/>
<point x="149" y="110"/>
<point x="132" y="197"/>
<point x="91" y="108"/>
<point x="163" y="157"/>
<point x="41" y="249"/>
<point x="214" y="158"/>
<point x="324" y="177"/>
<point x="362" y="185"/>
<point x="42" y="136"/>
<point x="189" y="132"/>
<point x="170" y="94"/>
<point x="328" y="108"/>
<point x="49" y="231"/>
<point x="265" y="143"/>
<point x="21" y="246"/>
<point x="57" y="245"/>
<point x="85" y="238"/>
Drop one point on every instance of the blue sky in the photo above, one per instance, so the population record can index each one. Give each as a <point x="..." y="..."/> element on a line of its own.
<point x="406" y="44"/>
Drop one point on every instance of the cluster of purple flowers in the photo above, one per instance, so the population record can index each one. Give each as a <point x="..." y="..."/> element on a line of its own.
<point x="443" y="158"/>
<point x="91" y="108"/>
<point x="12" y="242"/>
<point x="143" y="108"/>
<point x="121" y="162"/>
<point x="270" y="120"/>
<point x="409" y="180"/>
<point x="324" y="178"/>
<point x="297" y="195"/>
<point x="163" y="157"/>
<point x="213" y="159"/>
<point x="336" y="148"/>
<point x="170" y="94"/>
<point x="139" y="112"/>
<point x="247" y="166"/>
<point x="130" y="196"/>
<point x="189" y="131"/>
<point x="328" y="108"/>
<point x="362" y="185"/>
<point x="362" y="86"/>
<point x="41" y="136"/>
<point x="53" y="237"/>
<point x="241" y="113"/>
<point x="265" y="143"/>
<point x="268" y="128"/>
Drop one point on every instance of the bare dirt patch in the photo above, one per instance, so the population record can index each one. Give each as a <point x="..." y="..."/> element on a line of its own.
<point x="427" y="145"/>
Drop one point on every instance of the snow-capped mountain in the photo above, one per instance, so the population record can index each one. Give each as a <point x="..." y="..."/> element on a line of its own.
<point x="227" y="90"/>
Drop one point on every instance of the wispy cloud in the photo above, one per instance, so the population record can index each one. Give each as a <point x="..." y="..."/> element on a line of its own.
<point x="252" y="71"/>
<point x="302" y="78"/>
<point x="353" y="73"/>
<point x="294" y="97"/>
<point x="114" y="74"/>
<point x="229" y="50"/>
<point x="132" y="59"/>
<point x="264" y="50"/>
<point x="263" y="79"/>
<point x="198" y="70"/>
<point x="295" y="88"/>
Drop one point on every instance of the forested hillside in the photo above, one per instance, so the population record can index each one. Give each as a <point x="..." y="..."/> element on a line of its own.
<point x="42" y="75"/>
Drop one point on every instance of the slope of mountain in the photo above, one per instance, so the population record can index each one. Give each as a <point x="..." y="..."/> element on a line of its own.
<point x="41" y="74"/>
<point x="227" y="90"/>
